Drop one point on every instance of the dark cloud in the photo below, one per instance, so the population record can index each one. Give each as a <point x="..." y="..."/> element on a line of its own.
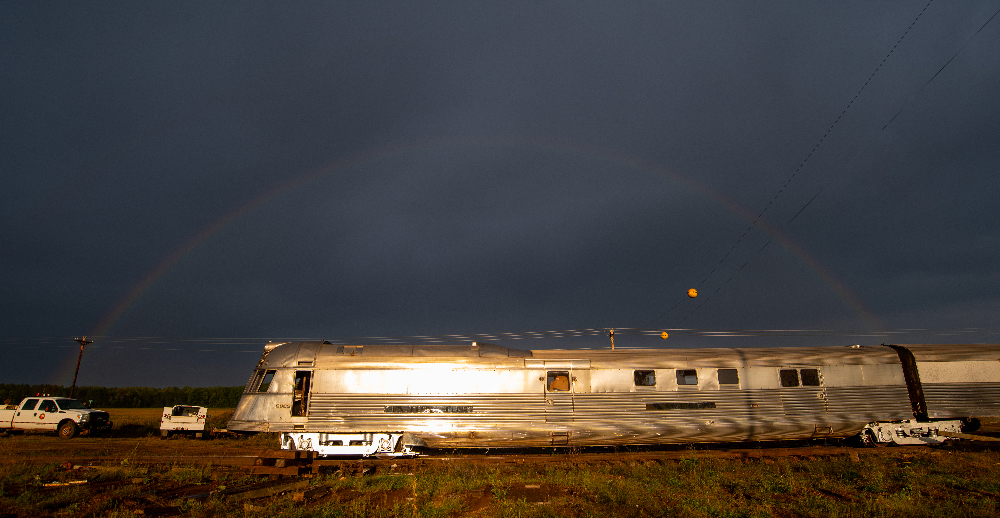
<point x="401" y="169"/>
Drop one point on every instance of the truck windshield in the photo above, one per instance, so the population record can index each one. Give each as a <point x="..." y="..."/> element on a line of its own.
<point x="70" y="404"/>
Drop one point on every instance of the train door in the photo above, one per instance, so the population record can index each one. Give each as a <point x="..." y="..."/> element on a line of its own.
<point x="558" y="396"/>
<point x="802" y="392"/>
<point x="803" y="399"/>
<point x="564" y="382"/>
<point x="300" y="393"/>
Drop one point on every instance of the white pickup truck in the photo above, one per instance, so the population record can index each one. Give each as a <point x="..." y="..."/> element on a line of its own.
<point x="64" y="415"/>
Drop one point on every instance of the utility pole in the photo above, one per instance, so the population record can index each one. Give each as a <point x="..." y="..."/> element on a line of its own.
<point x="82" y="341"/>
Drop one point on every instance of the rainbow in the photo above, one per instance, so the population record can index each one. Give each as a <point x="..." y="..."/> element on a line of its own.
<point x="136" y="292"/>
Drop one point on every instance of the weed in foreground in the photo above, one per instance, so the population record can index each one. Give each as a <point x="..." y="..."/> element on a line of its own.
<point x="188" y="474"/>
<point x="911" y="483"/>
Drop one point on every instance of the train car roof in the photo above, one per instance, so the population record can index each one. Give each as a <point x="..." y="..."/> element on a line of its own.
<point x="721" y="357"/>
<point x="320" y="354"/>
<point x="294" y="354"/>
<point x="953" y="352"/>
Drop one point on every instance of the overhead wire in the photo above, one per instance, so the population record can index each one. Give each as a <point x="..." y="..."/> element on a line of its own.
<point x="254" y="345"/>
<point x="751" y="258"/>
<point x="914" y="96"/>
<point x="815" y="147"/>
<point x="43" y="342"/>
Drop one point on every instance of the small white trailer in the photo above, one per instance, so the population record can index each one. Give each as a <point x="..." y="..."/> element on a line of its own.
<point x="183" y="419"/>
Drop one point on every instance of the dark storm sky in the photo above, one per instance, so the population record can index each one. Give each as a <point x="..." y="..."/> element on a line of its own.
<point x="179" y="172"/>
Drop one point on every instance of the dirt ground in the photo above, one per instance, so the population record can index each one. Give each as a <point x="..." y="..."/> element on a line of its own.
<point x="135" y="434"/>
<point x="132" y="472"/>
<point x="910" y="481"/>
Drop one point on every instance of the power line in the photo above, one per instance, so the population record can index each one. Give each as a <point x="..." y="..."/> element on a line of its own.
<point x="821" y="139"/>
<point x="815" y="147"/>
<point x="761" y="249"/>
<point x="139" y="343"/>
<point x="914" y="96"/>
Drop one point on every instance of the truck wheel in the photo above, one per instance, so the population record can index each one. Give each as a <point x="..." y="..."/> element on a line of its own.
<point x="68" y="430"/>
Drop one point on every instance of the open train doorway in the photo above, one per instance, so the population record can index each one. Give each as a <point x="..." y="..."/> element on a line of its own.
<point x="300" y="393"/>
<point x="558" y="396"/>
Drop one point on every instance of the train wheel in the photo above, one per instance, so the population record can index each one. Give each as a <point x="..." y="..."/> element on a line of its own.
<point x="865" y="439"/>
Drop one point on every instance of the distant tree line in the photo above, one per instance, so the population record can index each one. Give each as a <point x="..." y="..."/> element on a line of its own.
<point x="131" y="397"/>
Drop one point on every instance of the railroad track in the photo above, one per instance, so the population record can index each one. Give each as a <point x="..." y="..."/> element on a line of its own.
<point x="290" y="463"/>
<point x="285" y="462"/>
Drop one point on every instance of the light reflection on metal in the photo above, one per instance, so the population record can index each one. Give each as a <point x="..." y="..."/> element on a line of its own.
<point x="504" y="399"/>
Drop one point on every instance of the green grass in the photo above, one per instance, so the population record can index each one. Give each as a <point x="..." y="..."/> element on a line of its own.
<point x="910" y="483"/>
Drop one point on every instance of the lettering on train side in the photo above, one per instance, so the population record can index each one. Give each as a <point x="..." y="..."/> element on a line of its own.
<point x="423" y="409"/>
<point x="702" y="405"/>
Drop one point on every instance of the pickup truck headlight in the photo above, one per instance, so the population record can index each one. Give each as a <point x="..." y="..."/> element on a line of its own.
<point x="84" y="418"/>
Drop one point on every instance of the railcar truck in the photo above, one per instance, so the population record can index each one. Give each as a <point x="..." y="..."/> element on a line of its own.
<point x="68" y="417"/>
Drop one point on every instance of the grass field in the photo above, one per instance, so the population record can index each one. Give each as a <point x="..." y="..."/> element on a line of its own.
<point x="882" y="482"/>
<point x="910" y="482"/>
<point x="139" y="422"/>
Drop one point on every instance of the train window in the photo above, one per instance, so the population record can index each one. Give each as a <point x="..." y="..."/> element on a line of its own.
<point x="687" y="377"/>
<point x="265" y="382"/>
<point x="557" y="381"/>
<point x="810" y="377"/>
<point x="729" y="377"/>
<point x="645" y="378"/>
<point x="789" y="377"/>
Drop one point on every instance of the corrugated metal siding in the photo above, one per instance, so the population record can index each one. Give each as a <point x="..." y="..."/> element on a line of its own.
<point x="962" y="400"/>
<point x="618" y="414"/>
<point x="803" y="401"/>
<point x="870" y="403"/>
<point x="372" y="407"/>
<point x="600" y="418"/>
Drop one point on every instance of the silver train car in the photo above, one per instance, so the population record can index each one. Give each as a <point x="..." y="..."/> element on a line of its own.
<point x="391" y="399"/>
